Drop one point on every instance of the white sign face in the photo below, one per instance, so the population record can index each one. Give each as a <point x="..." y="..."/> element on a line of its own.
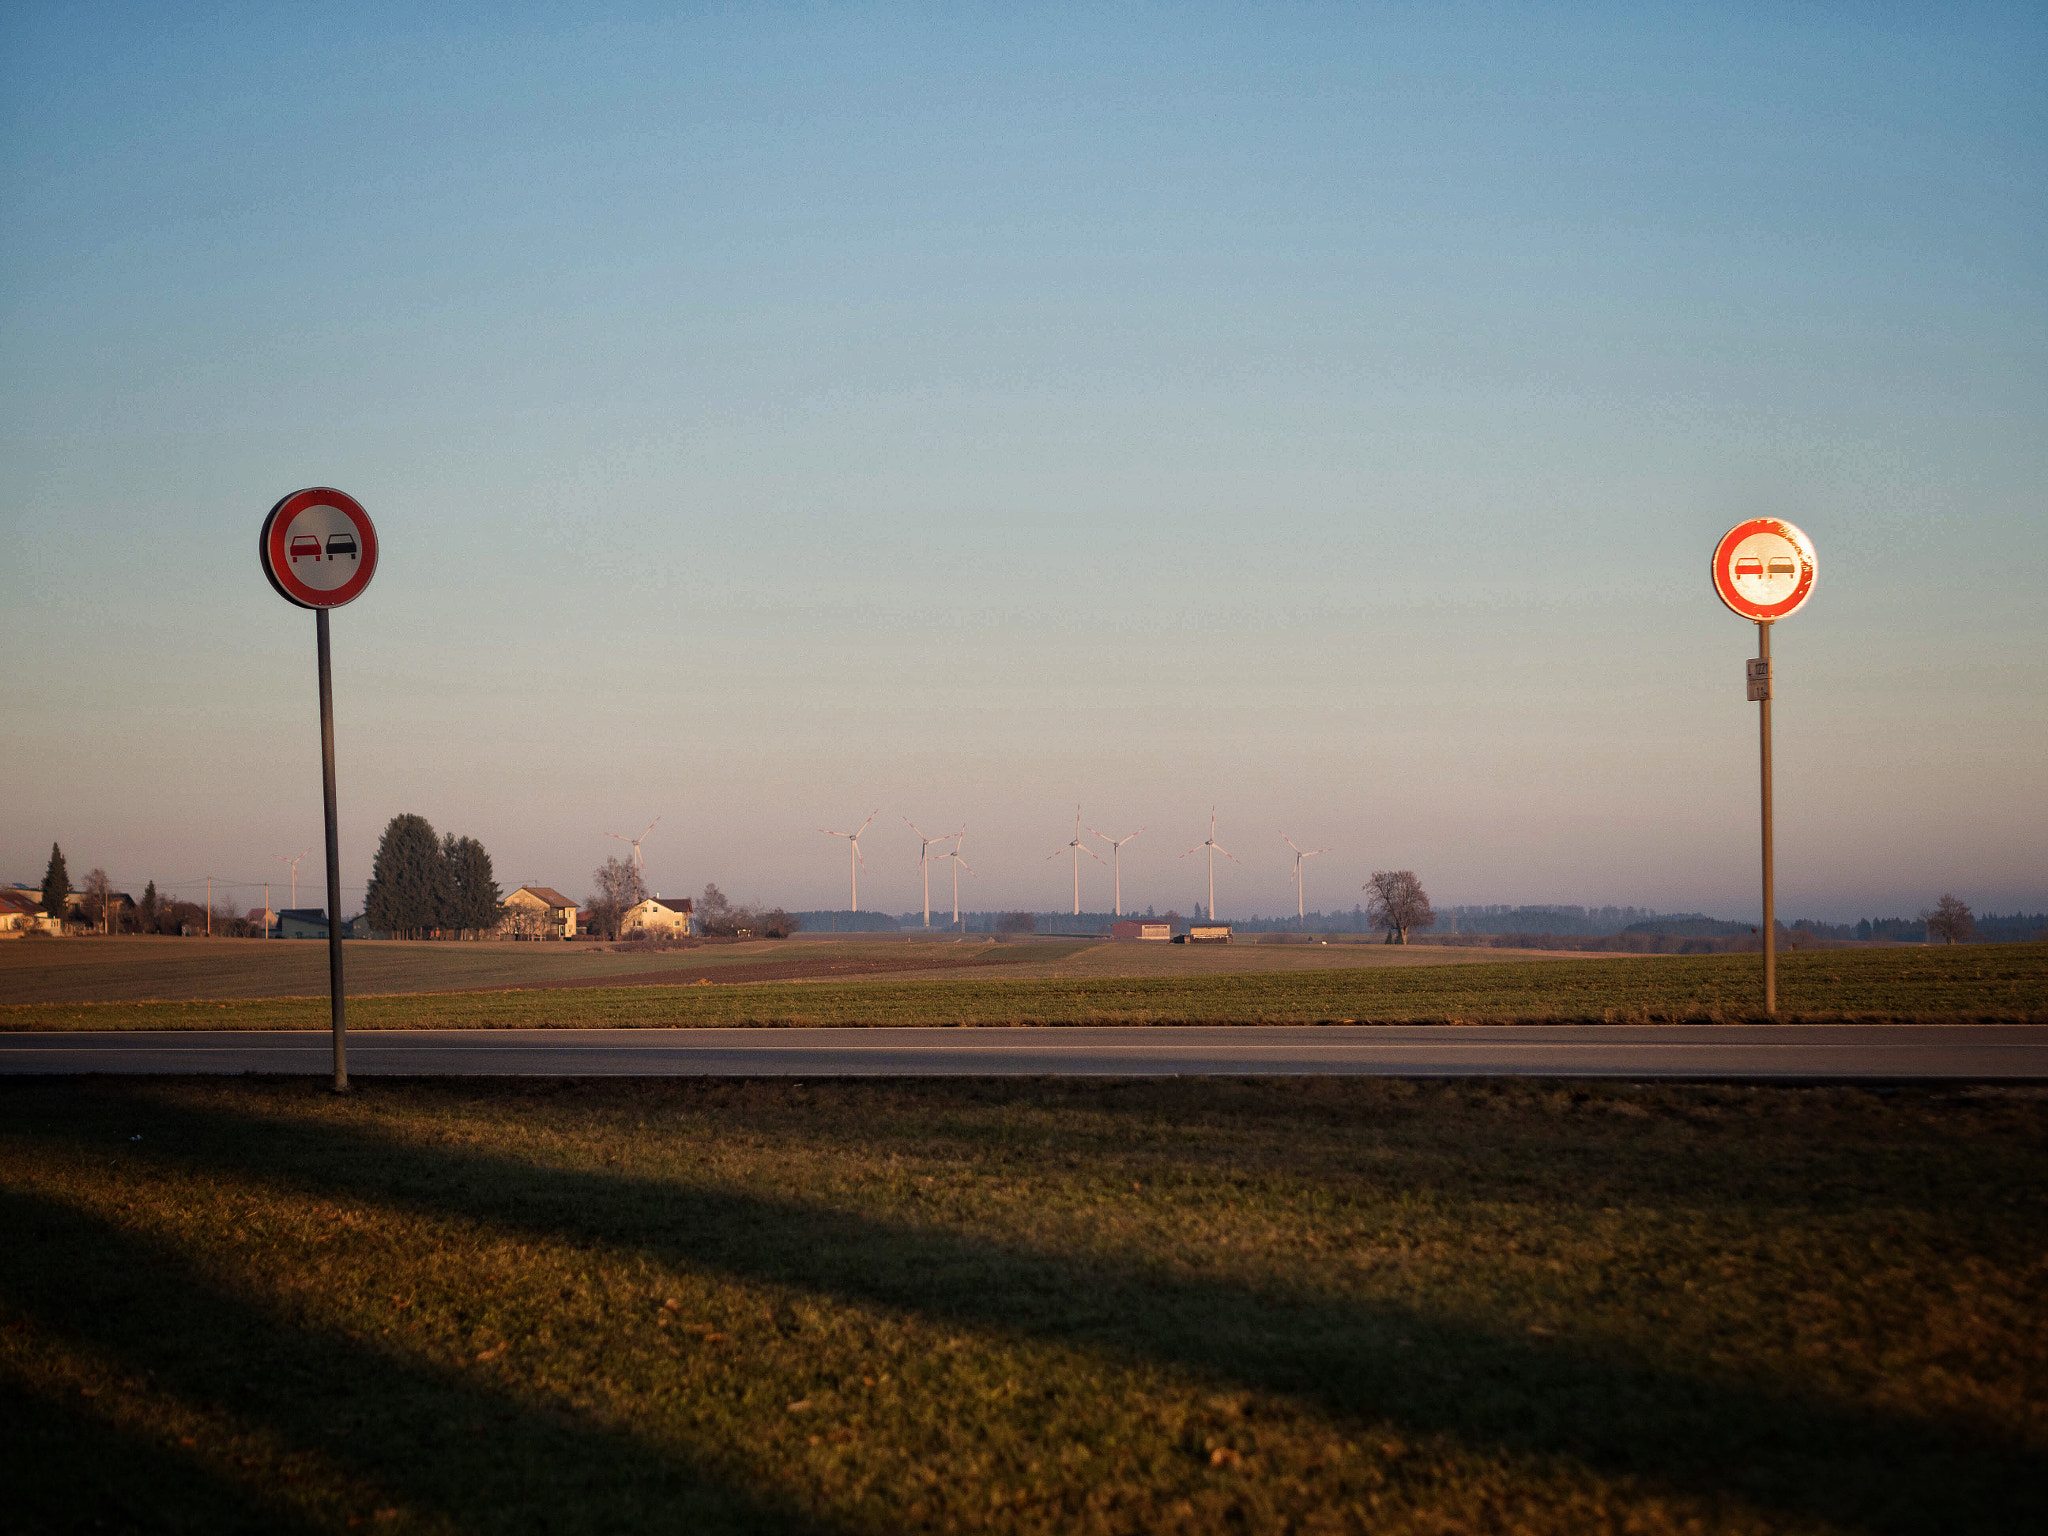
<point x="322" y="549"/>
<point x="1765" y="569"/>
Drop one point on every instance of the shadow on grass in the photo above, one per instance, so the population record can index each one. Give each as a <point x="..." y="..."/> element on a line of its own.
<point x="1494" y="1391"/>
<point x="70" y="1471"/>
<point x="402" y="1435"/>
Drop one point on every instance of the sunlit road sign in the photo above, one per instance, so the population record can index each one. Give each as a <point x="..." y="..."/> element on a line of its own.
<point x="319" y="548"/>
<point x="1758" y="670"/>
<point x="1764" y="569"/>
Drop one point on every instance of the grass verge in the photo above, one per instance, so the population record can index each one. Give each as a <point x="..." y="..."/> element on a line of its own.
<point x="1987" y="983"/>
<point x="1296" y="1305"/>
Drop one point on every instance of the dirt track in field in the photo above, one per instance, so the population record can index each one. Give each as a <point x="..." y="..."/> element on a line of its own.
<point x="820" y="969"/>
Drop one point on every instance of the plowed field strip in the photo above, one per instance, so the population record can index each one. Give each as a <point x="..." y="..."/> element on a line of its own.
<point x="779" y="970"/>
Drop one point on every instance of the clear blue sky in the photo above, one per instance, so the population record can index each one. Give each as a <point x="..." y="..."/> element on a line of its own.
<point x="776" y="413"/>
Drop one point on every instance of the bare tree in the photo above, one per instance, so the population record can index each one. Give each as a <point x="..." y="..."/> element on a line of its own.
<point x="99" y="900"/>
<point x="1950" y="921"/>
<point x="713" y="909"/>
<point x="619" y="888"/>
<point x="1396" y="902"/>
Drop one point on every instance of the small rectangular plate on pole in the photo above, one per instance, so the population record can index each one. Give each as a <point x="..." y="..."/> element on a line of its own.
<point x="1759" y="679"/>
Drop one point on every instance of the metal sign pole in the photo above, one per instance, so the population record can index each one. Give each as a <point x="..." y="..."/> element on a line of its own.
<point x="1763" y="640"/>
<point x="334" y="990"/>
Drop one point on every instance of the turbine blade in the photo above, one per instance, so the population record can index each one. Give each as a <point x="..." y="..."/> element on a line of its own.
<point x="964" y="864"/>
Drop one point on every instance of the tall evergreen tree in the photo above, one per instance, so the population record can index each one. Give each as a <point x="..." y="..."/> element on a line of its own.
<point x="56" y="883"/>
<point x="145" y="913"/>
<point x="474" y="901"/>
<point x="406" y="878"/>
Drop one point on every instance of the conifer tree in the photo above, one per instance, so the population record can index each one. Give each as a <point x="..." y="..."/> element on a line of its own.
<point x="407" y="878"/>
<point x="56" y="883"/>
<point x="474" y="903"/>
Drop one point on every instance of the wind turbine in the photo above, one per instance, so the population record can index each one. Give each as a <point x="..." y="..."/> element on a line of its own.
<point x="1079" y="848"/>
<point x="959" y="863"/>
<point x="286" y="859"/>
<point x="639" y="864"/>
<point x="923" y="865"/>
<point x="1116" y="855"/>
<point x="1299" y="904"/>
<point x="853" y="859"/>
<point x="1214" y="848"/>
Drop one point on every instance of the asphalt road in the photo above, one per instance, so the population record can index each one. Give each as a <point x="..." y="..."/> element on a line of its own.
<point x="1957" y="1052"/>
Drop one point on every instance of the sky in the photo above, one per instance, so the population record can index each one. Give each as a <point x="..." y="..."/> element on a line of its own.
<point x="773" y="414"/>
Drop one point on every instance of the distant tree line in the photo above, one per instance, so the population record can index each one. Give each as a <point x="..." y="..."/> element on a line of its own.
<point x="424" y="886"/>
<point x="720" y="918"/>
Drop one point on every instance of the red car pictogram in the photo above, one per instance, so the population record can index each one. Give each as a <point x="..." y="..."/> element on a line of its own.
<point x="305" y="544"/>
<point x="1749" y="565"/>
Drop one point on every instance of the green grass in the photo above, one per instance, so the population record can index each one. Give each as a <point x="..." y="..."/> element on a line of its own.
<point x="2002" y="983"/>
<point x="1302" y="1305"/>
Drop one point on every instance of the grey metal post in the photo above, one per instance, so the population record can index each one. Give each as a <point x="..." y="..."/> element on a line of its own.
<point x="334" y="990"/>
<point x="1763" y="640"/>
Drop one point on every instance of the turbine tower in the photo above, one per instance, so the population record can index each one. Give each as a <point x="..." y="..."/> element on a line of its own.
<point x="924" y="864"/>
<point x="1214" y="848"/>
<point x="639" y="864"/>
<point x="1300" y="912"/>
<point x="1079" y="848"/>
<point x="1116" y="856"/>
<point x="959" y="863"/>
<point x="287" y="859"/>
<point x="854" y="859"/>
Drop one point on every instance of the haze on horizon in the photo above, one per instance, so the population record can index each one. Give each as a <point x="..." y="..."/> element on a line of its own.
<point x="771" y="416"/>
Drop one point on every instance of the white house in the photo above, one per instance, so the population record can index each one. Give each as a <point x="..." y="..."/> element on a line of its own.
<point x="656" y="918"/>
<point x="538" y="912"/>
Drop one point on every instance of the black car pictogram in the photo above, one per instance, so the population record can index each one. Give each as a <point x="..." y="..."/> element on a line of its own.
<point x="341" y="544"/>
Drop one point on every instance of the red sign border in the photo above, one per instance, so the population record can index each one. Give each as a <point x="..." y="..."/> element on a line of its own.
<point x="278" y="569"/>
<point x="1724" y="578"/>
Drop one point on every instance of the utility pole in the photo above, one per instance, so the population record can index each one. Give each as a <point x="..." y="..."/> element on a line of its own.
<point x="209" y="906"/>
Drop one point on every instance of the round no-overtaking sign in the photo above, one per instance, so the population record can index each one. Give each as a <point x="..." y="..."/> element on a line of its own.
<point x="319" y="548"/>
<point x="1763" y="569"/>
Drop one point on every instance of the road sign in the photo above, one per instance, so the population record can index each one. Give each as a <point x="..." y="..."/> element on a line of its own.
<point x="1758" y="670"/>
<point x="319" y="548"/>
<point x="1763" y="569"/>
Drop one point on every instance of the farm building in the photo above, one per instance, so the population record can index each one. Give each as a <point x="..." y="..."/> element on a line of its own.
<point x="1206" y="933"/>
<point x="538" y="912"/>
<point x="311" y="923"/>
<point x="656" y="918"/>
<point x="22" y="910"/>
<point x="1141" y="928"/>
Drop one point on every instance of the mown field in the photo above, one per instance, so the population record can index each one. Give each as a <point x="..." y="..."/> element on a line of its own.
<point x="1966" y="984"/>
<point x="1315" y="1305"/>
